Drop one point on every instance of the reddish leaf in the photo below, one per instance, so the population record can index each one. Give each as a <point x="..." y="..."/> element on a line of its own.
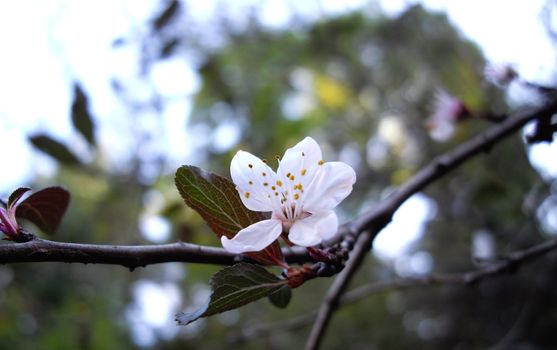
<point x="16" y="195"/>
<point x="45" y="208"/>
<point x="215" y="198"/>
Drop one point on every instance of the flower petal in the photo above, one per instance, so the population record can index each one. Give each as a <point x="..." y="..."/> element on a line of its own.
<point x="327" y="226"/>
<point x="300" y="162"/>
<point x="9" y="222"/>
<point x="254" y="237"/>
<point x="331" y="185"/>
<point x="314" y="229"/>
<point x="253" y="179"/>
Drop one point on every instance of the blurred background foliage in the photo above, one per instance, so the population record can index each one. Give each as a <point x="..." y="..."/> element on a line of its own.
<point x="362" y="85"/>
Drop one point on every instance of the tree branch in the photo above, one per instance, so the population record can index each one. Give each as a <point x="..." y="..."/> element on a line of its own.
<point x="371" y="223"/>
<point x="130" y="256"/>
<point x="509" y="264"/>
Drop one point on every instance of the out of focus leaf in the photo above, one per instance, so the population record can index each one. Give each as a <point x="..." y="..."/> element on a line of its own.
<point x="166" y="15"/>
<point x="168" y="47"/>
<point x="281" y="298"/>
<point x="118" y="42"/>
<point x="45" y="208"/>
<point x="233" y="287"/>
<point x="215" y="198"/>
<point x="16" y="195"/>
<point x="54" y="148"/>
<point x="81" y="116"/>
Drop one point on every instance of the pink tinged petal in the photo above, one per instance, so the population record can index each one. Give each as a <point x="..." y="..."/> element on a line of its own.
<point x="9" y="224"/>
<point x="254" y="180"/>
<point x="331" y="185"/>
<point x="441" y="130"/>
<point x="314" y="229"/>
<point x="253" y="238"/>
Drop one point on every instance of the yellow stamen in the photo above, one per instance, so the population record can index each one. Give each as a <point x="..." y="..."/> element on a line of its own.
<point x="320" y="162"/>
<point x="296" y="196"/>
<point x="279" y="183"/>
<point x="247" y="194"/>
<point x="304" y="171"/>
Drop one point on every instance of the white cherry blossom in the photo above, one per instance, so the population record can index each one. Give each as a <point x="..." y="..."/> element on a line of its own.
<point x="447" y="111"/>
<point x="301" y="195"/>
<point x="501" y="74"/>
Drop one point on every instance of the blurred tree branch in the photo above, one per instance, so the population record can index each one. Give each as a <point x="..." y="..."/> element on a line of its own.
<point x="508" y="264"/>
<point x="372" y="223"/>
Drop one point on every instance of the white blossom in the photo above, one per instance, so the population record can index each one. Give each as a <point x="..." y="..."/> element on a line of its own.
<point x="301" y="196"/>
<point x="501" y="74"/>
<point x="447" y="111"/>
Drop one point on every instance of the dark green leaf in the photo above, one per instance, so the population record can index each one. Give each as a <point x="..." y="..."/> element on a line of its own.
<point x="81" y="116"/>
<point x="54" y="148"/>
<point x="45" y="208"/>
<point x="16" y="195"/>
<point x="281" y="298"/>
<point x="215" y="198"/>
<point x="233" y="287"/>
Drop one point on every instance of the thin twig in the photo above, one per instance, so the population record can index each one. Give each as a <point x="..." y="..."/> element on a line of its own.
<point x="509" y="264"/>
<point x="371" y="223"/>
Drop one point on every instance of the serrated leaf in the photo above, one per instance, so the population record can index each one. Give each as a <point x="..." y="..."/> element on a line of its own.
<point x="54" y="148"/>
<point x="233" y="287"/>
<point x="45" y="208"/>
<point x="215" y="198"/>
<point x="16" y="195"/>
<point x="281" y="298"/>
<point x="82" y="119"/>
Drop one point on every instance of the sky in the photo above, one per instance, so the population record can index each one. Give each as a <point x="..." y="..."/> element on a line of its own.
<point x="60" y="41"/>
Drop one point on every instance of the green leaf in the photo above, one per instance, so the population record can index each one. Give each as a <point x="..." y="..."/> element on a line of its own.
<point x="233" y="287"/>
<point x="81" y="116"/>
<point x="215" y="198"/>
<point x="45" y="208"/>
<point x="281" y="298"/>
<point x="54" y="148"/>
